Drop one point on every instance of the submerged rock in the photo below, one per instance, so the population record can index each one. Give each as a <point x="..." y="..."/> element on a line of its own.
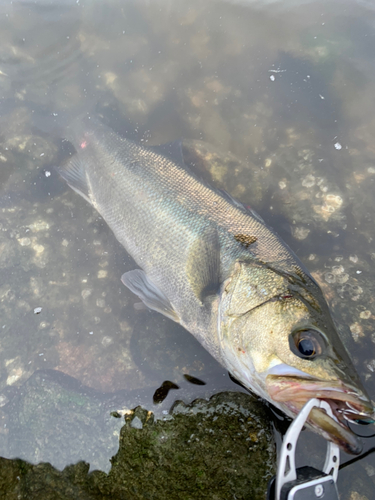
<point x="217" y="449"/>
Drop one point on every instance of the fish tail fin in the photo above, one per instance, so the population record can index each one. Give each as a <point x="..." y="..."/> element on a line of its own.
<point x="74" y="173"/>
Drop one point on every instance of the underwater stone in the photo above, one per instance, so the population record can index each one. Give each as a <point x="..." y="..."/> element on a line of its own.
<point x="221" y="448"/>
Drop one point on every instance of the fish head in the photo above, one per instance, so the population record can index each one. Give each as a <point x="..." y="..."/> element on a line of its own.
<point x="279" y="340"/>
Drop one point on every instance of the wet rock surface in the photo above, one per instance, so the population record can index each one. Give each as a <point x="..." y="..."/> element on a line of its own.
<point x="207" y="449"/>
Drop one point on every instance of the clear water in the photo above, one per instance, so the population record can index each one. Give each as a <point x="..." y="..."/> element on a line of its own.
<point x="287" y="87"/>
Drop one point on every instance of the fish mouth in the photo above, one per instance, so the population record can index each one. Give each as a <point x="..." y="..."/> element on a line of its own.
<point x="347" y="403"/>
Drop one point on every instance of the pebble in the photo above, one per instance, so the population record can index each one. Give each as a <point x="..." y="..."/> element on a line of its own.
<point x="342" y="278"/>
<point x="308" y="181"/>
<point x="330" y="278"/>
<point x="86" y="293"/>
<point x="39" y="225"/>
<point x="268" y="162"/>
<point x="136" y="423"/>
<point x="301" y="233"/>
<point x="337" y="270"/>
<point x="356" y="331"/>
<point x="365" y="314"/>
<point x="24" y="242"/>
<point x="106" y="341"/>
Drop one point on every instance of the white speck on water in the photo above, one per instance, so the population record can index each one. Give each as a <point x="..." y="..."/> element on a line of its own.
<point x="321" y="96"/>
<point x="272" y="78"/>
<point x="91" y="333"/>
<point x="37" y="310"/>
<point x="41" y="354"/>
<point x="47" y="173"/>
<point x="337" y="146"/>
<point x="41" y="154"/>
<point x="359" y="272"/>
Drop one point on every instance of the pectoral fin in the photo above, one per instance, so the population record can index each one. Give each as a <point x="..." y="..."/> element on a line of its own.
<point x="138" y="282"/>
<point x="203" y="266"/>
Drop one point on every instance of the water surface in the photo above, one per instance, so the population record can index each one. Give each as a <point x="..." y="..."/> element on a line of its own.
<point x="285" y="87"/>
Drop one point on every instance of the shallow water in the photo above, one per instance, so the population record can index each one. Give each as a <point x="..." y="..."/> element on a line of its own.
<point x="286" y="87"/>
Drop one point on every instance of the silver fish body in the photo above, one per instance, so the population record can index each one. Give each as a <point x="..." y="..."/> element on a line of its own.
<point x="213" y="265"/>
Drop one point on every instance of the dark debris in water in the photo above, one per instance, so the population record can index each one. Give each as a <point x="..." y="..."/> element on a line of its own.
<point x="162" y="392"/>
<point x="194" y="380"/>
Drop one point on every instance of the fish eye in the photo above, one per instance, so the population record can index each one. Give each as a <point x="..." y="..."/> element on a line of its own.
<point x="307" y="344"/>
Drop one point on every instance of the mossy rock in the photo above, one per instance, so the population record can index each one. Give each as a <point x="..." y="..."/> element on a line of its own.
<point x="217" y="449"/>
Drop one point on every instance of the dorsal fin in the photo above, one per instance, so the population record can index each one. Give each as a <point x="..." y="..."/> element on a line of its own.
<point x="240" y="205"/>
<point x="171" y="150"/>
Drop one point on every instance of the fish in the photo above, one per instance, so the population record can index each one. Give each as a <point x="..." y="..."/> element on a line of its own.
<point x="211" y="264"/>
